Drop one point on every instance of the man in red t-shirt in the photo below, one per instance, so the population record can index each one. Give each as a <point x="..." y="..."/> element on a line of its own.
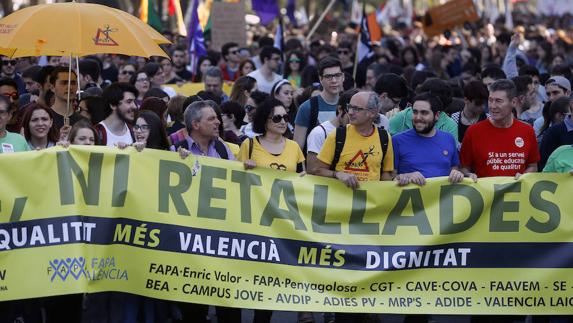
<point x="500" y="145"/>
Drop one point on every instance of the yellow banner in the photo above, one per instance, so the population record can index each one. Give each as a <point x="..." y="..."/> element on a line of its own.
<point x="202" y="230"/>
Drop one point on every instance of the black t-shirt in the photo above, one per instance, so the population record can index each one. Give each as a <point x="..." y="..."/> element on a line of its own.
<point x="184" y="74"/>
<point x="462" y="127"/>
<point x="59" y="119"/>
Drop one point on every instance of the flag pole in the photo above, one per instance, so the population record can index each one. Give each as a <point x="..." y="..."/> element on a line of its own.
<point x="320" y="19"/>
<point x="358" y="43"/>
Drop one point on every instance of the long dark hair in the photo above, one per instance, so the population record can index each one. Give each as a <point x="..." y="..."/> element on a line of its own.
<point x="302" y="63"/>
<point x="157" y="136"/>
<point x="551" y="109"/>
<point x="30" y="108"/>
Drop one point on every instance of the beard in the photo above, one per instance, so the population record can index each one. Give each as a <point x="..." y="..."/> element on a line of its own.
<point x="427" y="129"/>
<point x="121" y="115"/>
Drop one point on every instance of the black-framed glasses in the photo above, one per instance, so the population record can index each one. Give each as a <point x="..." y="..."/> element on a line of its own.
<point x="332" y="76"/>
<point x="142" y="127"/>
<point x="343" y="52"/>
<point x="12" y="62"/>
<point x="353" y="108"/>
<point x="124" y="72"/>
<point x="277" y="118"/>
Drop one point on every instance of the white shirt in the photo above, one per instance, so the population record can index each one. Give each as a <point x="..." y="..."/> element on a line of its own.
<point x="262" y="84"/>
<point x="317" y="136"/>
<point x="113" y="139"/>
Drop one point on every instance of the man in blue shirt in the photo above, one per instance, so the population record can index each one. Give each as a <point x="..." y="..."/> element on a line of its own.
<point x="424" y="151"/>
<point x="331" y="78"/>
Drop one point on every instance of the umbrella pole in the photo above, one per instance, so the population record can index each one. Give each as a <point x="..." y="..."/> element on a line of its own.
<point x="78" y="73"/>
<point x="66" y="117"/>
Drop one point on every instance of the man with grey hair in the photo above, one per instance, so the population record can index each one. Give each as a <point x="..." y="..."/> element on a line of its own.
<point x="213" y="80"/>
<point x="500" y="145"/>
<point x="203" y="128"/>
<point x="360" y="151"/>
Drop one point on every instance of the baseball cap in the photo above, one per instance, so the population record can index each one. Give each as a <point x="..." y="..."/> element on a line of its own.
<point x="559" y="81"/>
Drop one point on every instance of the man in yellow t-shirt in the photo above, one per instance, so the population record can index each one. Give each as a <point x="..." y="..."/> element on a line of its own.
<point x="362" y="157"/>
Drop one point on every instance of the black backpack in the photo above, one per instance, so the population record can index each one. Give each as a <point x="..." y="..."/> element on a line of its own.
<point x="341" y="138"/>
<point x="313" y="119"/>
<point x="219" y="147"/>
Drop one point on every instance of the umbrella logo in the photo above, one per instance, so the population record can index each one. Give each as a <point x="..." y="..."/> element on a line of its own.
<point x="103" y="38"/>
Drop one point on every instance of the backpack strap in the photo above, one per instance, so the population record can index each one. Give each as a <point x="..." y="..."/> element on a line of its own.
<point x="101" y="133"/>
<point x="340" y="139"/>
<point x="313" y="118"/>
<point x="221" y="149"/>
<point x="251" y="142"/>
<point x="323" y="129"/>
<point x="383" y="134"/>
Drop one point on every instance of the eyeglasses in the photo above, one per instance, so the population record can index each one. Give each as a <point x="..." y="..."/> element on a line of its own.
<point x="353" y="108"/>
<point x="124" y="72"/>
<point x="12" y="62"/>
<point x="249" y="108"/>
<point x="343" y="52"/>
<point x="143" y="80"/>
<point x="143" y="127"/>
<point x="332" y="76"/>
<point x="13" y="95"/>
<point x="277" y="118"/>
<point x="294" y="60"/>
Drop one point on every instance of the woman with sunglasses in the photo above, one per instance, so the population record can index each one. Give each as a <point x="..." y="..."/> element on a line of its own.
<point x="295" y="63"/>
<point x="38" y="126"/>
<point x="125" y="73"/>
<point x="271" y="149"/>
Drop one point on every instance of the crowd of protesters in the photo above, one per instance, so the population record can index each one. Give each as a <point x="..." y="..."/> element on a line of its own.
<point x="484" y="102"/>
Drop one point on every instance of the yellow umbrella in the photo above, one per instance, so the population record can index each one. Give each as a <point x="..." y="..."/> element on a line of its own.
<point x="77" y="29"/>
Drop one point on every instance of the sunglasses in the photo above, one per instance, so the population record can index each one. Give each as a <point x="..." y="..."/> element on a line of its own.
<point x="277" y="118"/>
<point x="9" y="62"/>
<point x="13" y="95"/>
<point x="294" y="60"/>
<point x="127" y="72"/>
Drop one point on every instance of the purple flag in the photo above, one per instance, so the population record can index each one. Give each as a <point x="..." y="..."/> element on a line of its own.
<point x="290" y="8"/>
<point x="196" y="41"/>
<point x="267" y="10"/>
